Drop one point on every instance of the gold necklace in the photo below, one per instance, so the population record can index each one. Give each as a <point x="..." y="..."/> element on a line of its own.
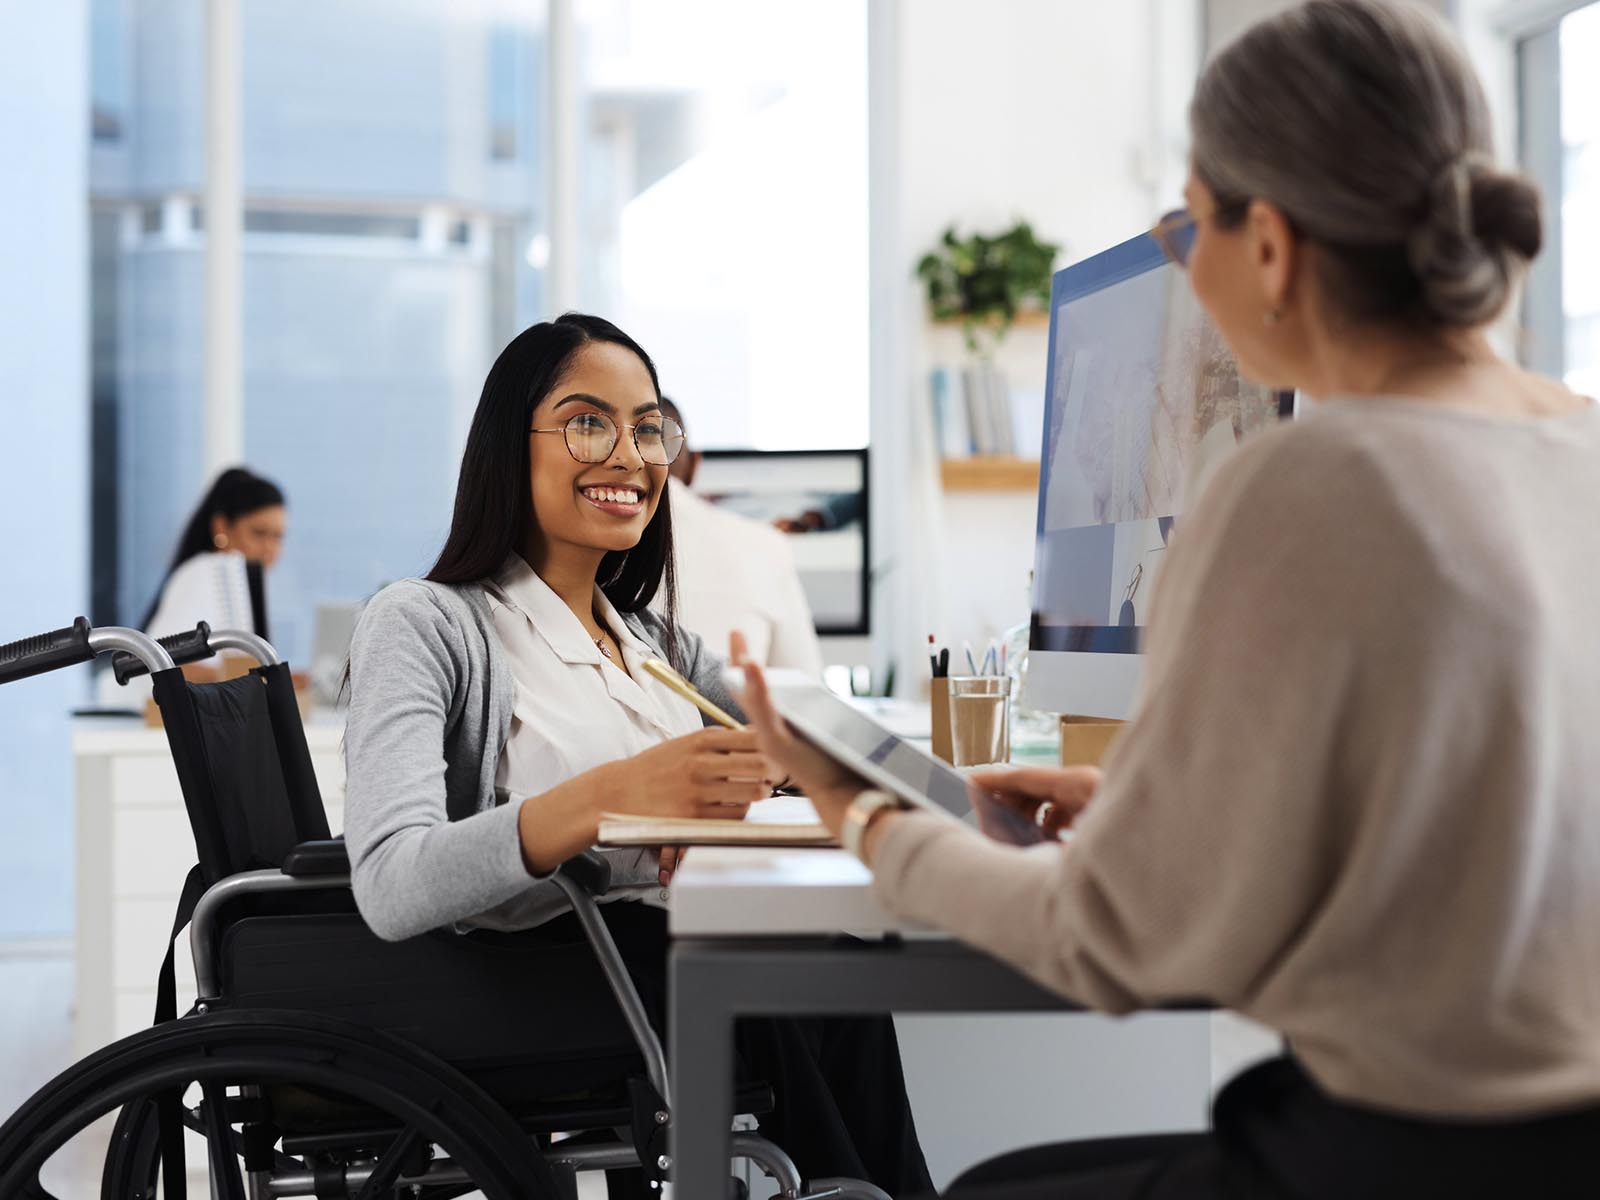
<point x="600" y="642"/>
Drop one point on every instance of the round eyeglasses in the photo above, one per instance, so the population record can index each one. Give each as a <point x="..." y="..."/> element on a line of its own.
<point x="592" y="438"/>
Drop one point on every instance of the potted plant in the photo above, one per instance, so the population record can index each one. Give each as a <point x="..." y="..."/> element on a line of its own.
<point x="985" y="280"/>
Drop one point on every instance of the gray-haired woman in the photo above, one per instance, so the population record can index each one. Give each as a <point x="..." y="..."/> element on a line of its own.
<point x="1357" y="800"/>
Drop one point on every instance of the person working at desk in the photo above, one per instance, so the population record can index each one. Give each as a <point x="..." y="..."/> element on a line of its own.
<point x="499" y="706"/>
<point x="1356" y="800"/>
<point x="241" y="519"/>
<point x="735" y="573"/>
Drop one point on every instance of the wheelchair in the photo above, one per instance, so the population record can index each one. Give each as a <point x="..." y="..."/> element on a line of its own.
<point x="317" y="1059"/>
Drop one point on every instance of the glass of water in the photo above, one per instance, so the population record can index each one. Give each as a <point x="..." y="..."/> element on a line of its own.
<point x="980" y="731"/>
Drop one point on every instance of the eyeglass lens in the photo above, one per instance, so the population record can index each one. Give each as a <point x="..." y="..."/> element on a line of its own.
<point x="592" y="437"/>
<point x="1175" y="234"/>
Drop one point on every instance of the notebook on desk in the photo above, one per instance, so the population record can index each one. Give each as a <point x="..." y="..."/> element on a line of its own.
<point x="783" y="821"/>
<point x="618" y="829"/>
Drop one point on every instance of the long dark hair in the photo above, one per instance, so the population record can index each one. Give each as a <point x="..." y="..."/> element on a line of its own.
<point x="494" y="496"/>
<point x="233" y="494"/>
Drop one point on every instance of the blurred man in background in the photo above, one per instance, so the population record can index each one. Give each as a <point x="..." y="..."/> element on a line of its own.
<point x="735" y="573"/>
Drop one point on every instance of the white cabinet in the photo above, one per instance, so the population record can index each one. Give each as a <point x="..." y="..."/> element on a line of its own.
<point x="134" y="848"/>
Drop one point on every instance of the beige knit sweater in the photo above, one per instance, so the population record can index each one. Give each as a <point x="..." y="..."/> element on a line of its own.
<point x="1360" y="798"/>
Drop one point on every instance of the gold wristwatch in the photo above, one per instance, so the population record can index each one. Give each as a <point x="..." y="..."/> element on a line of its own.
<point x="863" y="810"/>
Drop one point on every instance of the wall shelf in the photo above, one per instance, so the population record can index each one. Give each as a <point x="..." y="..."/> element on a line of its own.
<point x="990" y="474"/>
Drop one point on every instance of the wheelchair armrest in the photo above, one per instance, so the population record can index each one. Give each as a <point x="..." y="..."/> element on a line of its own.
<point x="589" y="871"/>
<point x="318" y="858"/>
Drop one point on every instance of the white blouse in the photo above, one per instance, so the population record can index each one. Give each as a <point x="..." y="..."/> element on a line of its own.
<point x="576" y="709"/>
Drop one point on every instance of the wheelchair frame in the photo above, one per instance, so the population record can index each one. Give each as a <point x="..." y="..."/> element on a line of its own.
<point x="217" y="1046"/>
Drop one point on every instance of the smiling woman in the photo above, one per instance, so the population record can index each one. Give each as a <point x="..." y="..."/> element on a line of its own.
<point x="499" y="706"/>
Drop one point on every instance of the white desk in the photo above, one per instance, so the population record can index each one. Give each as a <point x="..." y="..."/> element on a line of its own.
<point x="731" y="891"/>
<point x="755" y="931"/>
<point x="134" y="848"/>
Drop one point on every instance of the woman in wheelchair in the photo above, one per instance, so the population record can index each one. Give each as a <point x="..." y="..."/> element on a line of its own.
<point x="497" y="708"/>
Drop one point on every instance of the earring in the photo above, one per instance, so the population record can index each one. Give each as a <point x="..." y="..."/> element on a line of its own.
<point x="1272" y="316"/>
<point x="219" y="541"/>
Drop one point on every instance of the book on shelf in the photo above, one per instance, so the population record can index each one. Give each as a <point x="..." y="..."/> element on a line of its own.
<point x="950" y="422"/>
<point x="977" y="413"/>
<point x="619" y="829"/>
<point x="988" y="409"/>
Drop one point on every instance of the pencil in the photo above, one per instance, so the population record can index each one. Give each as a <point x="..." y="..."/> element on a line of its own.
<point x="688" y="691"/>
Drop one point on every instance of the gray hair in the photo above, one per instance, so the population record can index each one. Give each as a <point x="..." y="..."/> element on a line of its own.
<point x="1364" y="122"/>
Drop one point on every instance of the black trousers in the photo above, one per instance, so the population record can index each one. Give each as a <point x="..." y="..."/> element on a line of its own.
<point x="840" y="1096"/>
<point x="1276" y="1136"/>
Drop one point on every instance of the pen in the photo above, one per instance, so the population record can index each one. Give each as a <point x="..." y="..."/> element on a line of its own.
<point x="944" y="663"/>
<point x="972" y="663"/>
<point x="688" y="691"/>
<point x="933" y="658"/>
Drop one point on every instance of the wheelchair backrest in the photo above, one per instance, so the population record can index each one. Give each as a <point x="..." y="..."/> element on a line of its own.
<point x="242" y="761"/>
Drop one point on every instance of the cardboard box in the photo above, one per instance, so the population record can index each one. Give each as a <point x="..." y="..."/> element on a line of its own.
<point x="1084" y="740"/>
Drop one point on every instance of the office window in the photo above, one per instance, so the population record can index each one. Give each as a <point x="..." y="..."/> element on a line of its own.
<point x="724" y="208"/>
<point x="508" y="100"/>
<point x="1560" y="101"/>
<point x="383" y="140"/>
<point x="108" y="70"/>
<point x="1580" y="197"/>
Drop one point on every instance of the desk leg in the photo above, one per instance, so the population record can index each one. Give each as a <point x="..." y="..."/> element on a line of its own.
<point x="700" y="1058"/>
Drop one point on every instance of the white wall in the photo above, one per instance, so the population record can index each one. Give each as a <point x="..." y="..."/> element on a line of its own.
<point x="1057" y="111"/>
<point x="44" y="440"/>
<point x="1054" y="111"/>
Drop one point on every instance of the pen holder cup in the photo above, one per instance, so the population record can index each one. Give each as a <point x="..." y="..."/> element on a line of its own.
<point x="978" y="719"/>
<point x="939" y="716"/>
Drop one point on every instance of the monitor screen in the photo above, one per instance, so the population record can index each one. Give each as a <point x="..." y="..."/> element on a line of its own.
<point x="1142" y="401"/>
<point x="819" y="497"/>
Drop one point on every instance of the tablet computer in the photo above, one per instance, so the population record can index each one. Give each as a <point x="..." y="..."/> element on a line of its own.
<point x="856" y="741"/>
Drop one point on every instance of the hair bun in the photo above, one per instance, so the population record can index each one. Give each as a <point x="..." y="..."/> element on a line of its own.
<point x="1479" y="227"/>
<point x="1505" y="212"/>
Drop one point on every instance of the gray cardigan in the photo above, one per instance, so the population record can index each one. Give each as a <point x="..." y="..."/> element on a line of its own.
<point x="430" y="841"/>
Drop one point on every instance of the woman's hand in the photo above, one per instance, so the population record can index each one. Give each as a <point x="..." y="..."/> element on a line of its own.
<point x="667" y="860"/>
<point x="713" y="773"/>
<point x="1032" y="804"/>
<point x="718" y="776"/>
<point x="828" y="786"/>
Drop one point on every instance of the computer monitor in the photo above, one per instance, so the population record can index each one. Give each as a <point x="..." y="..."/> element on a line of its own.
<point x="1142" y="400"/>
<point x="821" y="495"/>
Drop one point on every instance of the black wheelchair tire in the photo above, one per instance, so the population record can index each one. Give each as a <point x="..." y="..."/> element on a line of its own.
<point x="267" y="1046"/>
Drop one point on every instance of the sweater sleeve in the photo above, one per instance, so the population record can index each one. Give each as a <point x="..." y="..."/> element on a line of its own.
<point x="414" y="869"/>
<point x="1217" y="828"/>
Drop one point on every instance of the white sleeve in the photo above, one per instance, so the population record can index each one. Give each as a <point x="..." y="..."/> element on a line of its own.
<point x="795" y="645"/>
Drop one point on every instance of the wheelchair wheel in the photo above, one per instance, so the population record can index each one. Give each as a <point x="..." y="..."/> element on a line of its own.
<point x="133" y="1157"/>
<point x="386" y="1118"/>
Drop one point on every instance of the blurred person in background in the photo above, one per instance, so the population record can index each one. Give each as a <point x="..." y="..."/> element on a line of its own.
<point x="241" y="519"/>
<point x="737" y="574"/>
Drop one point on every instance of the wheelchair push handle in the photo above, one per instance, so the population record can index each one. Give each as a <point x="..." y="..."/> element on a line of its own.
<point x="192" y="645"/>
<point x="46" y="652"/>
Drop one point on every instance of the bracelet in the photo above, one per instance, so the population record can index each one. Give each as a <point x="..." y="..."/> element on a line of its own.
<point x="863" y="810"/>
